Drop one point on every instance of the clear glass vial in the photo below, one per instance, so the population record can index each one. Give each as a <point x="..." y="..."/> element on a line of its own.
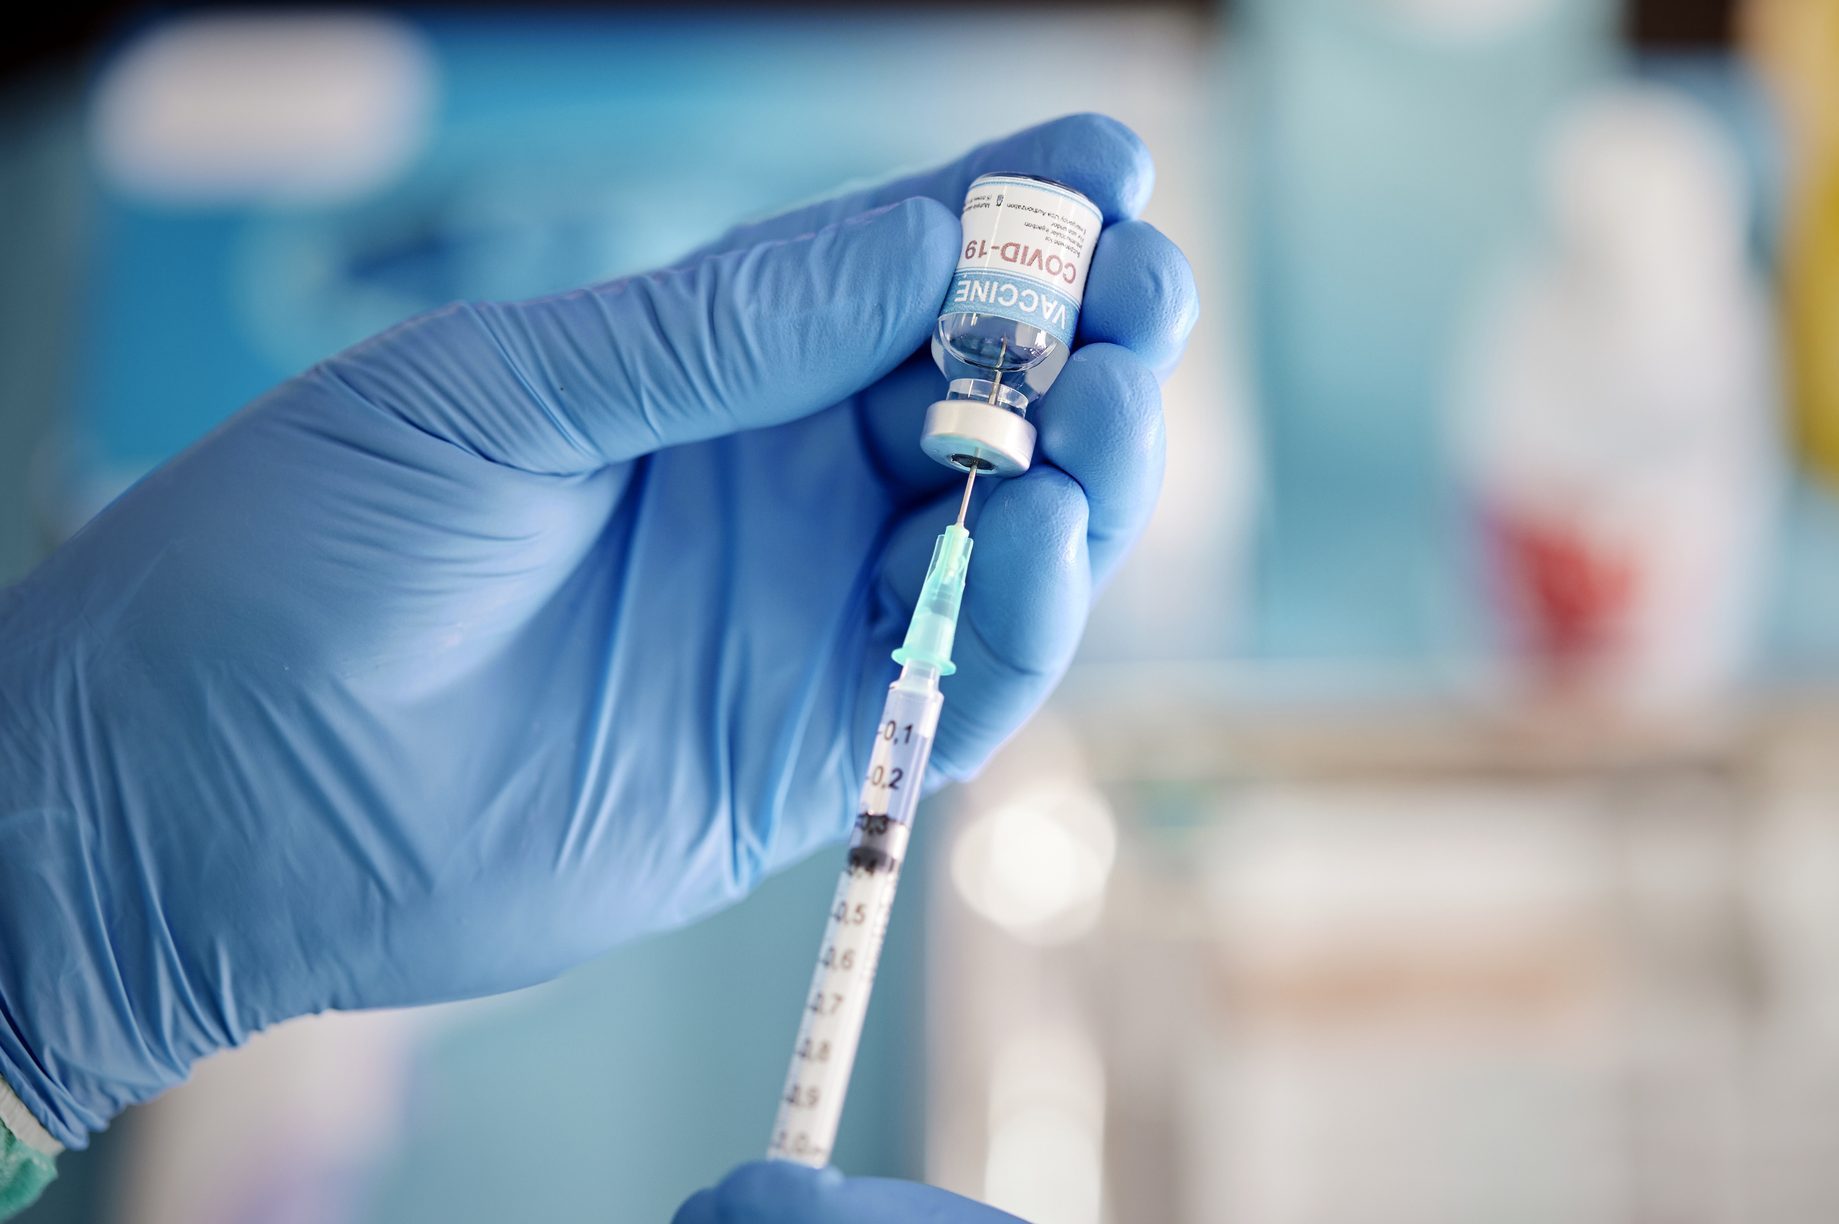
<point x="1007" y="323"/>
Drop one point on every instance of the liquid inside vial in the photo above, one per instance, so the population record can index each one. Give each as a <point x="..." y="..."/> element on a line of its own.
<point x="1007" y="324"/>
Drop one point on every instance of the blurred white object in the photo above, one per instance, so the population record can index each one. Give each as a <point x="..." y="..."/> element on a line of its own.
<point x="295" y="108"/>
<point x="284" y="1130"/>
<point x="1036" y="865"/>
<point x="1621" y="412"/>
<point x="1468" y="19"/>
<point x="1383" y="953"/>
<point x="1047" y="1126"/>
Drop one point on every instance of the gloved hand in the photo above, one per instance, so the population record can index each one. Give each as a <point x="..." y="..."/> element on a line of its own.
<point x="778" y="1192"/>
<point x="521" y="629"/>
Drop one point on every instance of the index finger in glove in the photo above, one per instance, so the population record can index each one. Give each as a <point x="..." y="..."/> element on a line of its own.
<point x="1140" y="296"/>
<point x="1043" y="540"/>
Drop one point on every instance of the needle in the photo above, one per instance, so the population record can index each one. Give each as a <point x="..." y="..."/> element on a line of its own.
<point x="996" y="384"/>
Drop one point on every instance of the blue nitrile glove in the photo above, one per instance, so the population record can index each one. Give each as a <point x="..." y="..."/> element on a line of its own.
<point x="524" y="628"/>
<point x="779" y="1192"/>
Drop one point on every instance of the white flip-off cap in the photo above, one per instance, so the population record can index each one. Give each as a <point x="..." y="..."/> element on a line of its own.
<point x="973" y="433"/>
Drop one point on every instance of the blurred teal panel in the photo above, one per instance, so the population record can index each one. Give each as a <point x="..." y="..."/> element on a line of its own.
<point x="557" y="151"/>
<point x="1803" y="627"/>
<point x="41" y="203"/>
<point x="1390" y="155"/>
<point x="617" y="1091"/>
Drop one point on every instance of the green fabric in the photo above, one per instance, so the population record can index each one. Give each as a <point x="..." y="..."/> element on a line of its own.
<point x="24" y="1173"/>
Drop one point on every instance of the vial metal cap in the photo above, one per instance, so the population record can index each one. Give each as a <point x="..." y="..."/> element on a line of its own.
<point x="973" y="433"/>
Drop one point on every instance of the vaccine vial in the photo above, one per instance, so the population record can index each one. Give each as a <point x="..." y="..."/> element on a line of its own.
<point x="1006" y="326"/>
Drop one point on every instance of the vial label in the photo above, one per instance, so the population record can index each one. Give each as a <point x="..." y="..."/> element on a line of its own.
<point x="1027" y="248"/>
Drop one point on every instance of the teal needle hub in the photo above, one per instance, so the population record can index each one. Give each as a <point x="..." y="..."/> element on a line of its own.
<point x="935" y="616"/>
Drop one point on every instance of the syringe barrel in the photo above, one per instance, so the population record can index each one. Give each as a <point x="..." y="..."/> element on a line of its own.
<point x="836" y="1006"/>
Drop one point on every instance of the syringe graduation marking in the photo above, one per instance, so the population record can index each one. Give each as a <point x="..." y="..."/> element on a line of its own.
<point x="831" y="1026"/>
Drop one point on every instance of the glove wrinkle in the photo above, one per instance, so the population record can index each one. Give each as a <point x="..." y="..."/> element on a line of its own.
<point x="551" y="410"/>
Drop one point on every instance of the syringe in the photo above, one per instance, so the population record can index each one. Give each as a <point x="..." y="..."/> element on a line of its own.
<point x="836" y="1005"/>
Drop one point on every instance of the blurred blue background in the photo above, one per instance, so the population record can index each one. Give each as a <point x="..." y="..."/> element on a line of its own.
<point x="1494" y="419"/>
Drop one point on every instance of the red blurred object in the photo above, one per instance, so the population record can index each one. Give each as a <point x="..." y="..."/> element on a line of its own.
<point x="1572" y="592"/>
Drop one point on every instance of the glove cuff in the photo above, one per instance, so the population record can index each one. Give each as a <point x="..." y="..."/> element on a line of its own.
<point x="28" y="1155"/>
